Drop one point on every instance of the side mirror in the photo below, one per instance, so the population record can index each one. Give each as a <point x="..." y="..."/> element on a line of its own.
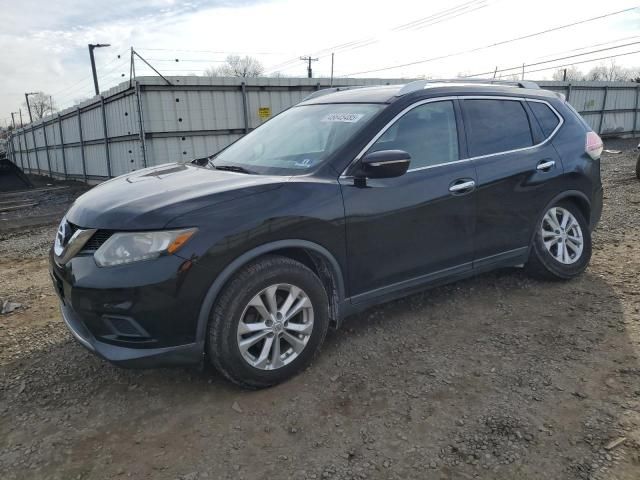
<point x="385" y="164"/>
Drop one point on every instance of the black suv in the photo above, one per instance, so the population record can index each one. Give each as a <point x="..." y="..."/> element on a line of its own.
<point x="349" y="199"/>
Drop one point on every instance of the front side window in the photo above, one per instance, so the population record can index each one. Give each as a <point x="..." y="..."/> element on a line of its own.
<point x="298" y="139"/>
<point x="428" y="133"/>
<point x="495" y="126"/>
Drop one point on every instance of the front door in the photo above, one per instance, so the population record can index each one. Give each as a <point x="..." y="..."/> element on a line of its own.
<point x="404" y="231"/>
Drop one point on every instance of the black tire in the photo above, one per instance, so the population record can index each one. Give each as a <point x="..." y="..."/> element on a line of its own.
<point x="542" y="263"/>
<point x="638" y="167"/>
<point x="222" y="346"/>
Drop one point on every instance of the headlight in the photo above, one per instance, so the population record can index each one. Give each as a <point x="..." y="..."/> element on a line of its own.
<point x="129" y="247"/>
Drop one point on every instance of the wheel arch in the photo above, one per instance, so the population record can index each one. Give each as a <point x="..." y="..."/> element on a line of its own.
<point x="575" y="196"/>
<point x="314" y="256"/>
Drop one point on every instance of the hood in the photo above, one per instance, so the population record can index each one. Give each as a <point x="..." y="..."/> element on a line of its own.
<point x="151" y="197"/>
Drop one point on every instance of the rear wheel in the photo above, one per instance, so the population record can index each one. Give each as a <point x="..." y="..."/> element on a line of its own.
<point x="562" y="243"/>
<point x="268" y="323"/>
<point x="638" y="167"/>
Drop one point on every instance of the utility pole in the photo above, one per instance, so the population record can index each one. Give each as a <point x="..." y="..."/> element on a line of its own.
<point x="13" y="120"/>
<point x="92" y="46"/>
<point x="21" y="122"/>
<point x="331" y="80"/>
<point x="522" y="72"/>
<point x="309" y="60"/>
<point x="26" y="96"/>
<point x="564" y="75"/>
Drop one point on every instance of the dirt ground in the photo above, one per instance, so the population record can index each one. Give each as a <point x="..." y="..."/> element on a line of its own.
<point x="496" y="377"/>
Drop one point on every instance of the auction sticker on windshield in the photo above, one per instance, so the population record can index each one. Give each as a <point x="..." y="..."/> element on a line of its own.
<point x="343" y="117"/>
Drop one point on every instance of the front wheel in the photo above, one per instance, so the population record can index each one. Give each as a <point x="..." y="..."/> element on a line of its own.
<point x="562" y="243"/>
<point x="268" y="323"/>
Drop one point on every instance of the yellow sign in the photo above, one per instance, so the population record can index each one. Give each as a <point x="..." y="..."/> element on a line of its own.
<point x="264" y="112"/>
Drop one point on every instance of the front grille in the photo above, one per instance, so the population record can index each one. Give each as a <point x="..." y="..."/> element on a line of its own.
<point x="96" y="241"/>
<point x="98" y="238"/>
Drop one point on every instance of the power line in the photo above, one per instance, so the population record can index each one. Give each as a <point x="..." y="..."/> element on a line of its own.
<point x="588" y="46"/>
<point x="418" y="23"/>
<point x="449" y="17"/>
<point x="565" y="65"/>
<point x="89" y="78"/>
<point x="502" y="42"/>
<point x="183" y="60"/>
<point x="553" y="60"/>
<point x="212" y="51"/>
<point x="435" y="18"/>
<point x="71" y="96"/>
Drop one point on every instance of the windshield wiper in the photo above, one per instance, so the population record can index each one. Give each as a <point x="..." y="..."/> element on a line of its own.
<point x="231" y="168"/>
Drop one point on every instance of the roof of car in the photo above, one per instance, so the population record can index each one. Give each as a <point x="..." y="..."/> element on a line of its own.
<point x="391" y="93"/>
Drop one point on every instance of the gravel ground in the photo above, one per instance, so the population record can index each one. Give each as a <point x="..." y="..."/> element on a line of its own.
<point x="496" y="377"/>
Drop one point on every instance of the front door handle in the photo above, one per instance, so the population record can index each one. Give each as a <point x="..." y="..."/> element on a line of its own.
<point x="546" y="165"/>
<point x="462" y="186"/>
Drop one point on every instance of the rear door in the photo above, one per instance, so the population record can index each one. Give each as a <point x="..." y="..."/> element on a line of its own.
<point x="405" y="231"/>
<point x="518" y="172"/>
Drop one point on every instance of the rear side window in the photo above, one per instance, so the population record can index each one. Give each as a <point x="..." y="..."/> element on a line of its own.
<point x="427" y="132"/>
<point x="547" y="120"/>
<point x="495" y="126"/>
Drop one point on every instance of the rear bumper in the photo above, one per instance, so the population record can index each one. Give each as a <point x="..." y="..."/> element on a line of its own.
<point x="188" y="354"/>
<point x="596" y="208"/>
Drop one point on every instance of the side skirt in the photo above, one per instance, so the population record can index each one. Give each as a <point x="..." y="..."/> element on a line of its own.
<point x="363" y="301"/>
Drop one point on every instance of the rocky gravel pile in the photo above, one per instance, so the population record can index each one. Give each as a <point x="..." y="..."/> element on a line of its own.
<point x="29" y="243"/>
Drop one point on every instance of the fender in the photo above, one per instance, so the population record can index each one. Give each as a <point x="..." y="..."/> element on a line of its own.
<point x="242" y="260"/>
<point x="557" y="198"/>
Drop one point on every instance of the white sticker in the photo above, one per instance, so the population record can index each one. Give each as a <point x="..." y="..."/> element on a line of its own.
<point x="343" y="117"/>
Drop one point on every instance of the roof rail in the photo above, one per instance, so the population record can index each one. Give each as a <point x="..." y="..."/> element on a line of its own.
<point x="422" y="84"/>
<point x="327" y="91"/>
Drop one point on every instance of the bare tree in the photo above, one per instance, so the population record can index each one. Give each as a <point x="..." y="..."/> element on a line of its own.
<point x="611" y="72"/>
<point x="237" y="66"/>
<point x="572" y="74"/>
<point x="41" y="105"/>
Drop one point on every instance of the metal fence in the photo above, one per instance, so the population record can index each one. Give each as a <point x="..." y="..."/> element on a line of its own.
<point x="151" y="122"/>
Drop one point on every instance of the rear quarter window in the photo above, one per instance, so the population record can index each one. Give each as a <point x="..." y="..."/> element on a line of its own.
<point x="495" y="126"/>
<point x="547" y="120"/>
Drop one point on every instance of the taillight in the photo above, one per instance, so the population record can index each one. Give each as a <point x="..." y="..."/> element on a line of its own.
<point x="593" y="145"/>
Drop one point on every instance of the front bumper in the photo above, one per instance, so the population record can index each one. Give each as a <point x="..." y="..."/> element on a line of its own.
<point x="139" y="315"/>
<point x="131" y="357"/>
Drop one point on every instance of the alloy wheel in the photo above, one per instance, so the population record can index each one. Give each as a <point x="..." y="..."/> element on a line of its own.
<point x="562" y="235"/>
<point x="275" y="326"/>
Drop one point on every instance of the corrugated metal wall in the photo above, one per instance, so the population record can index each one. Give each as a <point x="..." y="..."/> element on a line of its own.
<point x="150" y="122"/>
<point x="611" y="108"/>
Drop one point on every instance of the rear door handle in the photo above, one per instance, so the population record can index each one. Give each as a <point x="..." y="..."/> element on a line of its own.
<point x="546" y="165"/>
<point x="462" y="186"/>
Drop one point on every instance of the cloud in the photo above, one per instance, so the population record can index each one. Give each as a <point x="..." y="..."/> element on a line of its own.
<point x="44" y="42"/>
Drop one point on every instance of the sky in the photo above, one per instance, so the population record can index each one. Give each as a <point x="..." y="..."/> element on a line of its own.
<point x="44" y="43"/>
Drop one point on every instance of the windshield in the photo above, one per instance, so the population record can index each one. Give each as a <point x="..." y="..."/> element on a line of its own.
<point x="297" y="140"/>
